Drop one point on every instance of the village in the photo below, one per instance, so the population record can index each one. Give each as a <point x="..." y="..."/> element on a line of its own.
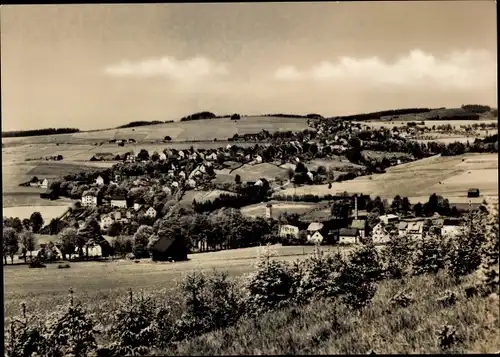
<point x="143" y="188"/>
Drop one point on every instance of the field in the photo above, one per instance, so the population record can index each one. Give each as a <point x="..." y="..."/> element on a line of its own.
<point x="450" y="177"/>
<point x="202" y="196"/>
<point x="428" y="123"/>
<point x="259" y="209"/>
<point x="98" y="284"/>
<point x="178" y="131"/>
<point x="255" y="172"/>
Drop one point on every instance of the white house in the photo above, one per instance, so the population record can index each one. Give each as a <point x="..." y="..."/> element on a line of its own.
<point x="162" y="156"/>
<point x="415" y="230"/>
<point x="175" y="184"/>
<point x="182" y="175"/>
<point x="118" y="201"/>
<point x="348" y="236"/>
<point x="99" y="181"/>
<point x="212" y="157"/>
<point x="181" y="154"/>
<point x="389" y="219"/>
<point x="258" y="159"/>
<point x="379" y="234"/>
<point x="316" y="238"/>
<point x="89" y="199"/>
<point x="259" y="183"/>
<point x="451" y="231"/>
<point x="287" y="230"/>
<point x="45" y="184"/>
<point x="137" y="206"/>
<point x="106" y="221"/>
<point x="310" y="175"/>
<point x="150" y="212"/>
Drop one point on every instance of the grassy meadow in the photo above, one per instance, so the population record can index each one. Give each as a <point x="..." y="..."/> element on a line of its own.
<point x="178" y="131"/>
<point x="97" y="284"/>
<point x="326" y="328"/>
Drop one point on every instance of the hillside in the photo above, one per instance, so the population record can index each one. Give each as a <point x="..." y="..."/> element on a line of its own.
<point x="195" y="130"/>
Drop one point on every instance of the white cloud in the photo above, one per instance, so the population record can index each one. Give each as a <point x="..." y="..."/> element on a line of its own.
<point x="458" y="70"/>
<point x="169" y="67"/>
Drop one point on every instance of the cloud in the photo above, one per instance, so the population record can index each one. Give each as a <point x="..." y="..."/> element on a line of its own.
<point x="460" y="70"/>
<point x="169" y="67"/>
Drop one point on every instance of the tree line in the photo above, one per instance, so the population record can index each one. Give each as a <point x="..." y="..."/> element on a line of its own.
<point x="37" y="132"/>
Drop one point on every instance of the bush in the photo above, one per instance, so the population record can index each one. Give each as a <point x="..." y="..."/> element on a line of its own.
<point x="36" y="263"/>
<point x="396" y="256"/>
<point x="25" y="338"/>
<point x="70" y="332"/>
<point x="448" y="298"/>
<point x="318" y="276"/>
<point x="131" y="331"/>
<point x="271" y="286"/>
<point x="63" y="266"/>
<point x="430" y="255"/>
<point x="402" y="299"/>
<point x="359" y="277"/>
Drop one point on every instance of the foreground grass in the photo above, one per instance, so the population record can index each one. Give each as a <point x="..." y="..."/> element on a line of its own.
<point x="98" y="284"/>
<point x="328" y="328"/>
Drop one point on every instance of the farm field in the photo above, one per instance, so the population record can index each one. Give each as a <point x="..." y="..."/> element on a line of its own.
<point x="178" y="131"/>
<point x="202" y="196"/>
<point x="98" y="284"/>
<point x="428" y="123"/>
<point x="448" y="176"/>
<point x="279" y="207"/>
<point x="14" y="173"/>
<point x="255" y="172"/>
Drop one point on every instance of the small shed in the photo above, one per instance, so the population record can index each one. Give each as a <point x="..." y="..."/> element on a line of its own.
<point x="473" y="192"/>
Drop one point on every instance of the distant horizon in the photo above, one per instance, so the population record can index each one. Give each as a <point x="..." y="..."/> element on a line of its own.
<point x="225" y="115"/>
<point x="98" y="66"/>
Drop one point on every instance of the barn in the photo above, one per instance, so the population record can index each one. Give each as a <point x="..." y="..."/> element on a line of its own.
<point x="168" y="249"/>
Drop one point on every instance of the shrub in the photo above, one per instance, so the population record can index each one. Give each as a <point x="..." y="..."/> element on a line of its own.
<point x="269" y="287"/>
<point x="318" y="276"/>
<point x="131" y="331"/>
<point x="401" y="299"/>
<point x="448" y="298"/>
<point x="447" y="337"/>
<point x="70" y="332"/>
<point x="63" y="266"/>
<point x="25" y="338"/>
<point x="396" y="256"/>
<point x="430" y="255"/>
<point x="466" y="249"/>
<point x="359" y="277"/>
<point x="36" y="263"/>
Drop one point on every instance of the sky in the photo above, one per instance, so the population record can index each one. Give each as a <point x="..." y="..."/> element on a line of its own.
<point x="97" y="66"/>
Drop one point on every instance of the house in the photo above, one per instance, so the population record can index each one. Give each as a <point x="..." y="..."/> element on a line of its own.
<point x="361" y="225"/>
<point x="259" y="183"/>
<point x="181" y="154"/>
<point x="89" y="199"/>
<point x="415" y="229"/>
<point x="106" y="221"/>
<point x="118" y="201"/>
<point x="162" y="156"/>
<point x="117" y="215"/>
<point x="402" y="227"/>
<point x="182" y="175"/>
<point x="99" y="181"/>
<point x="287" y="230"/>
<point x="49" y="194"/>
<point x="151" y="212"/>
<point x="316" y="238"/>
<point x="389" y="219"/>
<point x="451" y="228"/>
<point x="312" y="229"/>
<point x="348" y="236"/>
<point x="473" y="192"/>
<point x="310" y="175"/>
<point x="45" y="184"/>
<point x="212" y="157"/>
<point x="168" y="249"/>
<point x="258" y="159"/>
<point x="380" y="234"/>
